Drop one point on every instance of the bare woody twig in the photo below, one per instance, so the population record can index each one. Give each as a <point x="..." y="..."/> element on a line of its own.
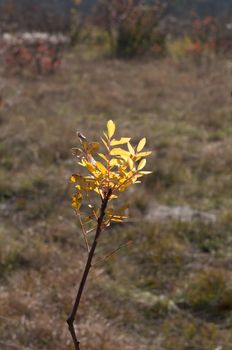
<point x="88" y="265"/>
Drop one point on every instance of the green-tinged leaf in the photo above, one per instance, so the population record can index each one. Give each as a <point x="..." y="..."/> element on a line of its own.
<point x="131" y="149"/>
<point x="141" y="144"/>
<point x="91" y="147"/>
<point x="101" y="167"/>
<point x="122" y="141"/>
<point x="110" y="128"/>
<point x="142" y="164"/>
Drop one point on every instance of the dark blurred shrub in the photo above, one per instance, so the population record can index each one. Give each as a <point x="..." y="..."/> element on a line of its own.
<point x="132" y="26"/>
<point x="77" y="22"/>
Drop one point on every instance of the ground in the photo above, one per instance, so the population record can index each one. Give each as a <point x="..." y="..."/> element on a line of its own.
<point x="171" y="289"/>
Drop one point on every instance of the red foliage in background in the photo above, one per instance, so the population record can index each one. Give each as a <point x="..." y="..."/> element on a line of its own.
<point x="29" y="52"/>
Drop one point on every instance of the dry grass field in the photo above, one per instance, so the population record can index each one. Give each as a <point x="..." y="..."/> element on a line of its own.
<point x="172" y="288"/>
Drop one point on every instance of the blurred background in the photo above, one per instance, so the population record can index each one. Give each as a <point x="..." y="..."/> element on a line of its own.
<point x="159" y="69"/>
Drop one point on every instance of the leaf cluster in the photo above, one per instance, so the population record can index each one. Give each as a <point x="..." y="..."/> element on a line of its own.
<point x="110" y="172"/>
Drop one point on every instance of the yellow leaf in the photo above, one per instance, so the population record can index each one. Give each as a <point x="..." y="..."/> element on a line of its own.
<point x="74" y="178"/>
<point x="76" y="200"/>
<point x="141" y="144"/>
<point x="134" y="179"/>
<point x="101" y="167"/>
<point x="82" y="162"/>
<point x="142" y="164"/>
<point x="110" y="128"/>
<point x="131" y="149"/>
<point x="131" y="163"/>
<point x="103" y="156"/>
<point x="113" y="196"/>
<point x="99" y="191"/>
<point x="90" y="167"/>
<point x="122" y="141"/>
<point x="120" y="216"/>
<point x="113" y="162"/>
<point x="105" y="143"/>
<point x="119" y="152"/>
<point x="143" y="154"/>
<point x="145" y="172"/>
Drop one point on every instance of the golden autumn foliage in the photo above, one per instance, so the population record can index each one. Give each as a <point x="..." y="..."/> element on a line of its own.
<point x="115" y="169"/>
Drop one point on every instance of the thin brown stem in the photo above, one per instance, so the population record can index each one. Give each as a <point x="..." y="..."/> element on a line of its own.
<point x="72" y="316"/>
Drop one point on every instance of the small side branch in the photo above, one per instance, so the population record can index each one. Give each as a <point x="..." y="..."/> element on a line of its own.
<point x="123" y="245"/>
<point x="84" y="232"/>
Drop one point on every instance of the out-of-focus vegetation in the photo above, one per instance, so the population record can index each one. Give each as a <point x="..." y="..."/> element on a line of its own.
<point x="171" y="289"/>
<point x="38" y="53"/>
<point x="127" y="28"/>
<point x="131" y="26"/>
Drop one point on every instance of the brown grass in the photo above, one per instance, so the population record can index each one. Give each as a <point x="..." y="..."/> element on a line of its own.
<point x="145" y="297"/>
